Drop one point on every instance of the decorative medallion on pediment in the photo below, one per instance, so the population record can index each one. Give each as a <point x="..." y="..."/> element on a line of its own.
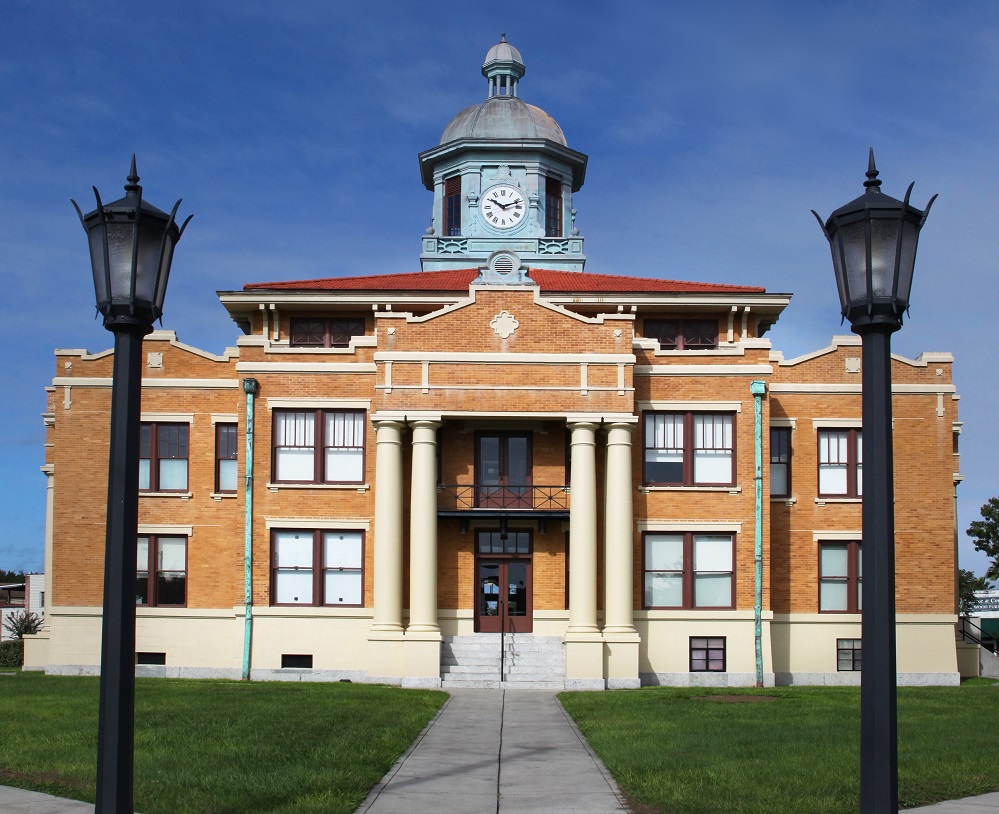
<point x="504" y="324"/>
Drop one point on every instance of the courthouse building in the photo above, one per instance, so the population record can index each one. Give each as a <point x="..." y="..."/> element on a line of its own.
<point x="502" y="466"/>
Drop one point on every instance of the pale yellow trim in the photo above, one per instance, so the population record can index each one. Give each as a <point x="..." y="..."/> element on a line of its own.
<point x="306" y="367"/>
<point x="175" y="384"/>
<point x="172" y="418"/>
<point x="224" y="418"/>
<point x="831" y="536"/>
<point x="712" y="406"/>
<point x="275" y="487"/>
<point x="703" y="370"/>
<point x="361" y="524"/>
<point x="504" y="358"/>
<point x="283" y="403"/>
<point x="166" y="528"/>
<point x="784" y="422"/>
<point x="852" y="389"/>
<point x="836" y="423"/>
<point x="690" y="525"/>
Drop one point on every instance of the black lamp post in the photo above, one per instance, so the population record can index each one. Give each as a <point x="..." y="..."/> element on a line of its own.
<point x="873" y="241"/>
<point x="131" y="248"/>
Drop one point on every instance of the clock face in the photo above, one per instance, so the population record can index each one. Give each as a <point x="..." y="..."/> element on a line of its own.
<point x="502" y="206"/>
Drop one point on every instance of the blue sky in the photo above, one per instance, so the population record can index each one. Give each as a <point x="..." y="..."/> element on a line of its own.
<point x="291" y="131"/>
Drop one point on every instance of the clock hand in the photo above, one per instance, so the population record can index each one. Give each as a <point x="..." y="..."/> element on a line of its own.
<point x="500" y="205"/>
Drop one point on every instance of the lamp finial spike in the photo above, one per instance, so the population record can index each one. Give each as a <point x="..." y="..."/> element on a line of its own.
<point x="872" y="173"/>
<point x="133" y="177"/>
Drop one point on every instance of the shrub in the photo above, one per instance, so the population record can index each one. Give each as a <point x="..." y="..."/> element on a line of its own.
<point x="11" y="653"/>
<point x="23" y="624"/>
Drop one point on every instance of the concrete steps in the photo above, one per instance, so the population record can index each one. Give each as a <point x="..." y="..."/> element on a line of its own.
<point x="529" y="662"/>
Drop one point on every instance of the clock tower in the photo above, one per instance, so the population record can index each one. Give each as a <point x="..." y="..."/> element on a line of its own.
<point x="503" y="178"/>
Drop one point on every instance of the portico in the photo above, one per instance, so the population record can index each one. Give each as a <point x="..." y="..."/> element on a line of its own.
<point x="496" y="524"/>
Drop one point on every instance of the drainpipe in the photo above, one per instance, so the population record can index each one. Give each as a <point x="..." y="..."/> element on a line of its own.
<point x="758" y="388"/>
<point x="250" y="387"/>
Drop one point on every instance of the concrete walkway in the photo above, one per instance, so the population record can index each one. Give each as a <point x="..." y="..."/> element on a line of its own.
<point x="489" y="752"/>
<point x="511" y="752"/>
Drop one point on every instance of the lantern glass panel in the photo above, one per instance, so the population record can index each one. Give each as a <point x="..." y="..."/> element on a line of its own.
<point x="836" y="245"/>
<point x="907" y="260"/>
<point x="120" y="259"/>
<point x="854" y="238"/>
<point x="148" y="269"/>
<point x="96" y="236"/>
<point x="884" y="239"/>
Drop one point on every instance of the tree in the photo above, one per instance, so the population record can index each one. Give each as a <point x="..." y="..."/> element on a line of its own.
<point x="984" y="534"/>
<point x="968" y="583"/>
<point x="7" y="577"/>
<point x="23" y="624"/>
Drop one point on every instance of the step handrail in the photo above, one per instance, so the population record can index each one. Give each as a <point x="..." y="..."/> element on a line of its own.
<point x="988" y="642"/>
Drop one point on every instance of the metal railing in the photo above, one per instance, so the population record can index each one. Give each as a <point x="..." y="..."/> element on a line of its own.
<point x="970" y="631"/>
<point x="468" y="497"/>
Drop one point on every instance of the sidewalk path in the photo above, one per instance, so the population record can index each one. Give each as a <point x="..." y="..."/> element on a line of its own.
<point x="508" y="752"/>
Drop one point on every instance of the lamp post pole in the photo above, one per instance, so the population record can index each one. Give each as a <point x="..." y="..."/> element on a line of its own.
<point x="873" y="241"/>
<point x="131" y="249"/>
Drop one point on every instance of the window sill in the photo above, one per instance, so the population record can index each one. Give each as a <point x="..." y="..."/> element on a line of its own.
<point x="223" y="495"/>
<point x="360" y="487"/>
<point x="787" y="501"/>
<point x="181" y="495"/>
<point x="822" y="501"/>
<point x="732" y="490"/>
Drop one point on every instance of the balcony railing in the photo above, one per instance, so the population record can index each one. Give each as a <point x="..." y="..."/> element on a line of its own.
<point x="468" y="497"/>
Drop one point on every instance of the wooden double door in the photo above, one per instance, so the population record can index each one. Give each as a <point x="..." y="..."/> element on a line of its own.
<point x="503" y="601"/>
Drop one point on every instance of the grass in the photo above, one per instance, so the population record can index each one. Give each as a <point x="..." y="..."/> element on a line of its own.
<point x="215" y="747"/>
<point x="784" y="751"/>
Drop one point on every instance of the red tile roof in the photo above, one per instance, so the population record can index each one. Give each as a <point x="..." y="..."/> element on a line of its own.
<point x="550" y="282"/>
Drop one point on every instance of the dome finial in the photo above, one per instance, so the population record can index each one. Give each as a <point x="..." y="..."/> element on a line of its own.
<point x="503" y="68"/>
<point x="503" y="37"/>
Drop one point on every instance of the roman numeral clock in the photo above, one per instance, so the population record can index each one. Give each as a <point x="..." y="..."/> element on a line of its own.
<point x="502" y="206"/>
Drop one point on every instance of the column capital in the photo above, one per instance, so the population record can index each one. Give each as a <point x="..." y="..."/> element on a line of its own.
<point x="386" y="422"/>
<point x="424" y="423"/>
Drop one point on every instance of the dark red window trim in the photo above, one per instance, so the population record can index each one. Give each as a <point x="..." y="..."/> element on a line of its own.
<point x="164" y="441"/>
<point x="319" y="446"/>
<point x="853" y="462"/>
<point x="152" y="571"/>
<point x="688" y="450"/>
<point x="324" y="332"/>
<point x="688" y="572"/>
<point x="226" y="449"/>
<point x="318" y="568"/>
<point x="780" y="455"/>
<point x="553" y="207"/>
<point x="852" y="579"/>
<point x="452" y="206"/>
<point x="682" y="334"/>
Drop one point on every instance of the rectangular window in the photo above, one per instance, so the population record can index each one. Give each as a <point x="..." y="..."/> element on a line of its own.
<point x="317" y="568"/>
<point x="226" y="459"/>
<point x="780" y="462"/>
<point x="319" y="446"/>
<point x="840" y="577"/>
<point x="683" y="334"/>
<point x="688" y="449"/>
<point x="161" y="571"/>
<point x="452" y="206"/>
<point x="841" y="463"/>
<point x="163" y="453"/>
<point x="687" y="570"/>
<point x="848" y="655"/>
<point x="553" y="207"/>
<point x="707" y="654"/>
<point x="319" y="332"/>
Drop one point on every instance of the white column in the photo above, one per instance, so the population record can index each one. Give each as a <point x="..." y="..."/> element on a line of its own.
<point x="388" y="526"/>
<point x="423" y="529"/>
<point x="619" y="615"/>
<point x="49" y="471"/>
<point x="583" y="529"/>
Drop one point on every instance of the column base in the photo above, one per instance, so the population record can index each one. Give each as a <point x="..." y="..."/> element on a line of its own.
<point x="386" y="657"/>
<point x="584" y="660"/>
<point x="422" y="649"/>
<point x="621" y="658"/>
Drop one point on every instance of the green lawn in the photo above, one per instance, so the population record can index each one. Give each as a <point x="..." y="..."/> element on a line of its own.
<point x="783" y="751"/>
<point x="215" y="747"/>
